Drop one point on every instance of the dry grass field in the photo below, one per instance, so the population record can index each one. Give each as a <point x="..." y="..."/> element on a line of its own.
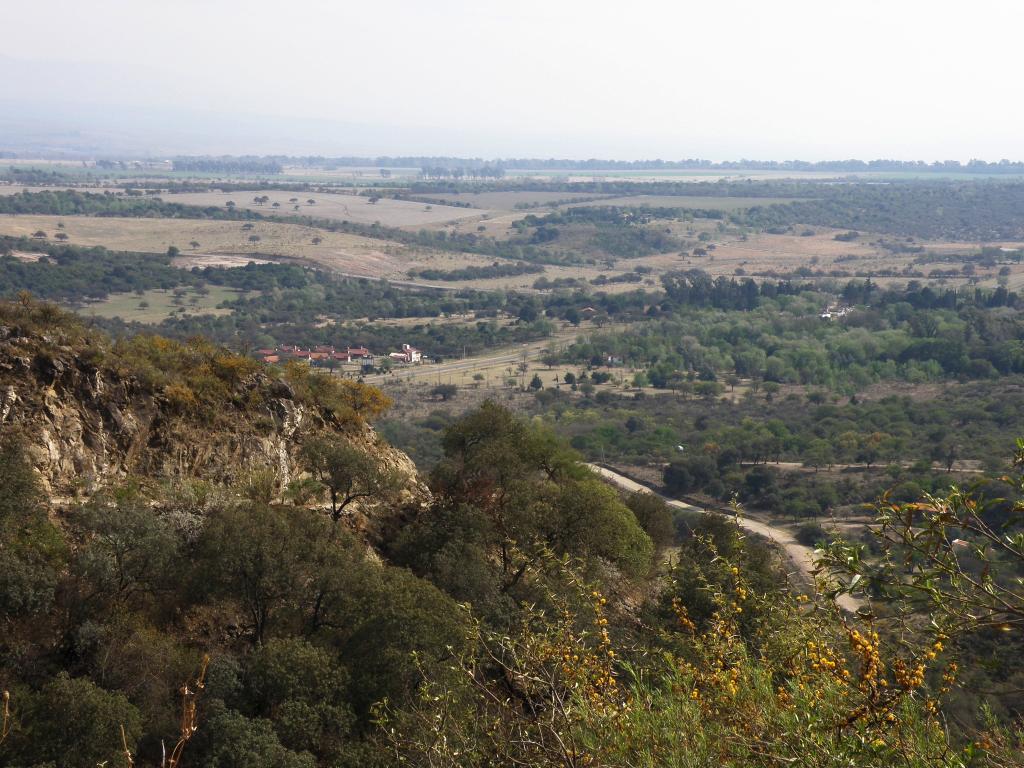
<point x="226" y="243"/>
<point x="15" y="189"/>
<point x="222" y="240"/>
<point x="354" y="174"/>
<point x="157" y="305"/>
<point x="339" y="207"/>
<point x="761" y="254"/>
<point x="692" y="201"/>
<point x="507" y="201"/>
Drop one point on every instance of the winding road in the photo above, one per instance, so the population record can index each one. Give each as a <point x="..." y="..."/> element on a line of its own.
<point x="800" y="555"/>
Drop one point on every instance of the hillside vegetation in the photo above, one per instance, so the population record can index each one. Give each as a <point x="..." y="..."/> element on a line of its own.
<point x="317" y="606"/>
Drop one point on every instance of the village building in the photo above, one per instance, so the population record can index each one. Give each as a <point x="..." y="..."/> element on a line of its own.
<point x="409" y="354"/>
<point x="322" y="353"/>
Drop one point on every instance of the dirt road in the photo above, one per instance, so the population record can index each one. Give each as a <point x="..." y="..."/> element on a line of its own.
<point x="800" y="555"/>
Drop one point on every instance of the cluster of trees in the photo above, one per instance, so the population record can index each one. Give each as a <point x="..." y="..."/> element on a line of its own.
<point x="487" y="171"/>
<point x="478" y="273"/>
<point x="621" y="232"/>
<point x="932" y="210"/>
<point x="226" y="164"/>
<point x="698" y="289"/>
<point x="75" y="203"/>
<point x="36" y="176"/>
<point x="308" y="632"/>
<point x="914" y="334"/>
<point x="470" y="166"/>
<point x="74" y="273"/>
<point x="896" y="442"/>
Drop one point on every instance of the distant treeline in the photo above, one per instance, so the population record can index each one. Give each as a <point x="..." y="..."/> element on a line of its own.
<point x="447" y="163"/>
<point x="73" y="274"/>
<point x="226" y="164"/>
<point x="38" y="176"/>
<point x="988" y="210"/>
<point x="478" y="273"/>
<point x="74" y="203"/>
<point x="462" y="171"/>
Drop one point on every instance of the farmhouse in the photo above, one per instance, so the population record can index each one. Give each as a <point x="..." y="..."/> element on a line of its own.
<point x="408" y="354"/>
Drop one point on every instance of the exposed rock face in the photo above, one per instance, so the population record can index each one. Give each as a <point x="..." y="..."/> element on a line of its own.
<point x="86" y="427"/>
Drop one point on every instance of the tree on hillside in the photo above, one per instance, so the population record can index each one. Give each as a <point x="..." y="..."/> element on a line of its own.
<point x="654" y="517"/>
<point x="347" y="473"/>
<point x="510" y="492"/>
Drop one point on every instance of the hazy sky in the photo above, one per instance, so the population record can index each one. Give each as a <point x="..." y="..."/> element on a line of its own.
<point x="579" y="78"/>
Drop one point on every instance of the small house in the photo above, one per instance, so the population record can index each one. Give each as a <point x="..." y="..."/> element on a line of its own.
<point x="409" y="354"/>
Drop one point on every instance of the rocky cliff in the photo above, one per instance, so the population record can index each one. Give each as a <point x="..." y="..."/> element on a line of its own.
<point x="92" y="415"/>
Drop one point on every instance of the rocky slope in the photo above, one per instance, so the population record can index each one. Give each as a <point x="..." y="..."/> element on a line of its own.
<point x="89" y="420"/>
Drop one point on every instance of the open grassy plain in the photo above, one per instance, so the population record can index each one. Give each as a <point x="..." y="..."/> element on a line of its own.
<point x="508" y="200"/>
<point x="339" y="207"/>
<point x="157" y="305"/>
<point x="15" y="189"/>
<point x="220" y="241"/>
<point x="688" y="201"/>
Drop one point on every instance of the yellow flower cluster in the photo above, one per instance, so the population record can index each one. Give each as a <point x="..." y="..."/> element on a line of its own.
<point x="866" y="647"/>
<point x="908" y="676"/>
<point x="682" y="616"/>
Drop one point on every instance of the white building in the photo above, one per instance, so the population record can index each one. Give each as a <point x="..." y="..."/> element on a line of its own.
<point x="408" y="354"/>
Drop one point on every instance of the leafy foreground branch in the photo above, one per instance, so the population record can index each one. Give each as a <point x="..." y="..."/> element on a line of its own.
<point x="798" y="687"/>
<point x="960" y="556"/>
